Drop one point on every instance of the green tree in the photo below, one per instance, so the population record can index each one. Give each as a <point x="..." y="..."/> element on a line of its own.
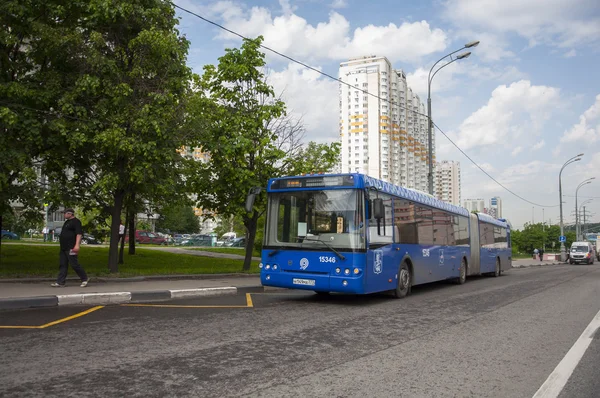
<point x="230" y="224"/>
<point x="243" y="126"/>
<point x="37" y="42"/>
<point x="315" y="158"/>
<point x="233" y="108"/>
<point x="123" y="115"/>
<point x="178" y="218"/>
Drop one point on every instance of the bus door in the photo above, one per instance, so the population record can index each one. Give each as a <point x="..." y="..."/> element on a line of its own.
<point x="382" y="261"/>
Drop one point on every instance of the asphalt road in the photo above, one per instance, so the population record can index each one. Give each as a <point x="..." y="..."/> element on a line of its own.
<point x="492" y="337"/>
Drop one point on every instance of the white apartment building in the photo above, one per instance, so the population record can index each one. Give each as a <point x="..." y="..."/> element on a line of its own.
<point x="474" y="204"/>
<point x="495" y="209"/>
<point x="447" y="187"/>
<point x="382" y="137"/>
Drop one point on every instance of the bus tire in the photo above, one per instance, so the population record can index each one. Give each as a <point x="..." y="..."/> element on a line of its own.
<point x="462" y="278"/>
<point x="497" y="269"/>
<point x="321" y="293"/>
<point x="404" y="281"/>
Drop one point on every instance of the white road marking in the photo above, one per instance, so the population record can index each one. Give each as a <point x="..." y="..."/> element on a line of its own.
<point x="559" y="377"/>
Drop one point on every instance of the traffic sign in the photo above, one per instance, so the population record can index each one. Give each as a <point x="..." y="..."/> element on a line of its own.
<point x="562" y="238"/>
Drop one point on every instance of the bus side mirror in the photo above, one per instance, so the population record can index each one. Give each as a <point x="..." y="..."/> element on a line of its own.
<point x="251" y="198"/>
<point x="378" y="210"/>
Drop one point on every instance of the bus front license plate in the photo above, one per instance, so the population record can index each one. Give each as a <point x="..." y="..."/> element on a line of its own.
<point x="307" y="282"/>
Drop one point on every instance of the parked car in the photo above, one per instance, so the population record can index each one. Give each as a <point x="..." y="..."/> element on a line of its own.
<point x="9" y="235"/>
<point x="237" y="242"/>
<point x="88" y="239"/>
<point x="197" y="240"/>
<point x="147" y="237"/>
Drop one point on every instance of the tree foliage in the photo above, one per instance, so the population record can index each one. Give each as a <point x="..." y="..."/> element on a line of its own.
<point x="243" y="126"/>
<point x="122" y="115"/>
<point x="538" y="236"/>
<point x="178" y="217"/>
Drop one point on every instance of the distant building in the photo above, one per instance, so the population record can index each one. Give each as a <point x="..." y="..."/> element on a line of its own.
<point x="475" y="205"/>
<point x="496" y="207"/>
<point x="448" y="181"/>
<point x="384" y="136"/>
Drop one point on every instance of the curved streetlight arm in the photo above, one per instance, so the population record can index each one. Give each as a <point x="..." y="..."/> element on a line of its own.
<point x="588" y="181"/>
<point x="438" y="61"/>
<point x="440" y="68"/>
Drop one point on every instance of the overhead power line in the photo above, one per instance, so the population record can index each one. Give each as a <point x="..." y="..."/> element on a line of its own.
<point x="359" y="89"/>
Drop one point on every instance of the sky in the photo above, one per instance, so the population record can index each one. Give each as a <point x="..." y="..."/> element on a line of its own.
<point x="525" y="101"/>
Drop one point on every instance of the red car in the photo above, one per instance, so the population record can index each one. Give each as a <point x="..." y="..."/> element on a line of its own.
<point x="147" y="237"/>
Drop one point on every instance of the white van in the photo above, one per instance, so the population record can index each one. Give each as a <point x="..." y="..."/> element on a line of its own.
<point x="582" y="252"/>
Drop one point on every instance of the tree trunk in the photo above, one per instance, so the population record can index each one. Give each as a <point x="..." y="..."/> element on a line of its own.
<point x="251" y="224"/>
<point x="122" y="241"/>
<point x="131" y="223"/>
<point x="113" y="251"/>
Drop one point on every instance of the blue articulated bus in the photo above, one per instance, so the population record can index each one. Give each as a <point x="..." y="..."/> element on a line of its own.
<point x="350" y="233"/>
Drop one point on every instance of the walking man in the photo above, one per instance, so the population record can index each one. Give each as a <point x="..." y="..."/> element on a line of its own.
<point x="70" y="239"/>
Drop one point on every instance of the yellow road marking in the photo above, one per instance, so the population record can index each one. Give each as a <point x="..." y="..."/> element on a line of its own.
<point x="71" y="317"/>
<point x="248" y="305"/>
<point x="19" y="327"/>
<point x="55" y="322"/>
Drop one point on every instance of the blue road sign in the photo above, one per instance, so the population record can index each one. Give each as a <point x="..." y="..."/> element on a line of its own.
<point x="562" y="238"/>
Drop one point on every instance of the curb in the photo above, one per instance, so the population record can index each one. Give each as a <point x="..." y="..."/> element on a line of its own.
<point x="113" y="298"/>
<point x="536" y="265"/>
<point x="132" y="278"/>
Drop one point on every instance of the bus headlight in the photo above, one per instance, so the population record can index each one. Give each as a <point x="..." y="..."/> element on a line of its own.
<point x="356" y="271"/>
<point x="268" y="277"/>
<point x="267" y="266"/>
<point x="260" y="265"/>
<point x="274" y="266"/>
<point x="338" y="271"/>
<point x="345" y="283"/>
<point x="347" y="271"/>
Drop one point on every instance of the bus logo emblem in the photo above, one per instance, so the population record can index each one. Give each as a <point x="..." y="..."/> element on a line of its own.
<point x="378" y="266"/>
<point x="303" y="264"/>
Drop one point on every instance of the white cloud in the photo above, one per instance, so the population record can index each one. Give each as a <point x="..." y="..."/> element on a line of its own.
<point x="331" y="40"/>
<point x="516" y="151"/>
<point x="539" y="145"/>
<point x="312" y="97"/>
<point x="553" y="22"/>
<point x="286" y="8"/>
<point x="486" y="166"/>
<point x="339" y="4"/>
<point x="452" y="76"/>
<point x="570" y="54"/>
<point x="585" y="131"/>
<point x="511" y="112"/>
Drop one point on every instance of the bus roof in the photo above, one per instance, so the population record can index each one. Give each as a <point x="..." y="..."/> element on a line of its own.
<point x="491" y="220"/>
<point x="357" y="180"/>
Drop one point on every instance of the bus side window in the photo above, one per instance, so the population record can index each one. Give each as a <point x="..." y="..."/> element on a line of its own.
<point x="404" y="220"/>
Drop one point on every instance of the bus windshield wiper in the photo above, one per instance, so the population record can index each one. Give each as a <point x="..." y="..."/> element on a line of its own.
<point x="340" y="255"/>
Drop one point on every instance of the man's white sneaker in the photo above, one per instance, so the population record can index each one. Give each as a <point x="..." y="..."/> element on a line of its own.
<point x="84" y="283"/>
<point x="56" y="285"/>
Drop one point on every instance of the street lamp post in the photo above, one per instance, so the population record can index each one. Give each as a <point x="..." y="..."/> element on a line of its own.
<point x="563" y="254"/>
<point x="582" y="228"/>
<point x="429" y="122"/>
<point x="584" y="182"/>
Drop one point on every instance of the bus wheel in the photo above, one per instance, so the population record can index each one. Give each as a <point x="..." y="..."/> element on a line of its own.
<point x="404" y="282"/>
<point x="321" y="293"/>
<point x="497" y="270"/>
<point x="462" y="278"/>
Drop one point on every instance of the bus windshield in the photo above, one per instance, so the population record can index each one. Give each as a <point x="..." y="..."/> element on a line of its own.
<point x="307" y="219"/>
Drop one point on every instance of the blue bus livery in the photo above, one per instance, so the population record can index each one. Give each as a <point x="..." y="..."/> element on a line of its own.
<point x="351" y="233"/>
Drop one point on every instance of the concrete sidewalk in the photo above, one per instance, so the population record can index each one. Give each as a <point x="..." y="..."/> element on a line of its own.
<point x="14" y="295"/>
<point x="528" y="262"/>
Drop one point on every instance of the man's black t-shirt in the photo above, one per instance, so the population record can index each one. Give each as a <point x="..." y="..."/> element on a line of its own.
<point x="70" y="229"/>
